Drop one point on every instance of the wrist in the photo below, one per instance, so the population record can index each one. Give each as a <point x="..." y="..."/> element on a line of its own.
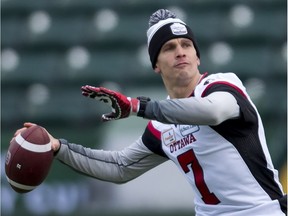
<point x="57" y="147"/>
<point x="142" y="105"/>
<point x="135" y="104"/>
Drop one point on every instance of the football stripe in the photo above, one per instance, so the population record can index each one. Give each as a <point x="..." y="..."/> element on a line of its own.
<point x="20" y="186"/>
<point x="32" y="147"/>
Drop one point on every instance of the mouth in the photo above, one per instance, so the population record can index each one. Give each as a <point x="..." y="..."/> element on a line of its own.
<point x="181" y="64"/>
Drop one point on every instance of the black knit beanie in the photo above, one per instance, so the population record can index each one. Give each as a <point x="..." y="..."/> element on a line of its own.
<point x="164" y="26"/>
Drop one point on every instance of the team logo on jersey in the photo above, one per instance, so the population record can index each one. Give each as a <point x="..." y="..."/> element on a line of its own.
<point x="176" y="142"/>
<point x="182" y="143"/>
<point x="188" y="129"/>
<point x="168" y="137"/>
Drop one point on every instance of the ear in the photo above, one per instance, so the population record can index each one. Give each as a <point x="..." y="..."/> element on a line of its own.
<point x="157" y="69"/>
<point x="198" y="61"/>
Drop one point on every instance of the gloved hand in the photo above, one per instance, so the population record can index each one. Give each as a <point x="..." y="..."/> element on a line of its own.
<point x="122" y="106"/>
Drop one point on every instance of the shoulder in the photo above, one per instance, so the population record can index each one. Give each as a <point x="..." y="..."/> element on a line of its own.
<point x="151" y="138"/>
<point x="219" y="79"/>
<point x="156" y="127"/>
<point x="224" y="77"/>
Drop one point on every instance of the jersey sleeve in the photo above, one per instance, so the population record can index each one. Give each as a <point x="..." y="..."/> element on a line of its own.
<point x="248" y="120"/>
<point x="216" y="99"/>
<point x="210" y="110"/>
<point x="247" y="110"/>
<point x="113" y="166"/>
<point x="152" y="140"/>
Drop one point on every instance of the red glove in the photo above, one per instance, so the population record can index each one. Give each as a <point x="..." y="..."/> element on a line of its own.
<point x="122" y="106"/>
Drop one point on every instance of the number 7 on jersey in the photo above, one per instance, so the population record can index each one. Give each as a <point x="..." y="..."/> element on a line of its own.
<point x="189" y="159"/>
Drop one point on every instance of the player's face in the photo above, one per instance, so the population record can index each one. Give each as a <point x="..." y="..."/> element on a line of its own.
<point x="178" y="63"/>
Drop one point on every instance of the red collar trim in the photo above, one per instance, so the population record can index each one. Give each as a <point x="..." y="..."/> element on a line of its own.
<point x="202" y="77"/>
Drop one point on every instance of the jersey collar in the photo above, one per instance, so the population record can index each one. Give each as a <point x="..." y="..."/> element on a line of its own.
<point x="201" y="78"/>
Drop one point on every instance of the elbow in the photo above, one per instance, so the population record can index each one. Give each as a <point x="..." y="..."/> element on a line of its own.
<point x="116" y="180"/>
<point x="223" y="115"/>
<point x="120" y="182"/>
<point x="216" y="120"/>
<point x="123" y="177"/>
<point x="221" y="106"/>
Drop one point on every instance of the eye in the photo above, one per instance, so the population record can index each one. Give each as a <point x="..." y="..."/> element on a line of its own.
<point x="166" y="48"/>
<point x="187" y="44"/>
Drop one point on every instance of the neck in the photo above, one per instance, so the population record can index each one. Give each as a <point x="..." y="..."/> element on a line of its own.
<point x="184" y="91"/>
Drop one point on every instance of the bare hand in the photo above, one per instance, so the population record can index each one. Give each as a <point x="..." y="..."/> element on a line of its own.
<point x="55" y="144"/>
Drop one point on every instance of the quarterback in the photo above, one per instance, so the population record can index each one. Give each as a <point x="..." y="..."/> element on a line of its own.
<point x="208" y="126"/>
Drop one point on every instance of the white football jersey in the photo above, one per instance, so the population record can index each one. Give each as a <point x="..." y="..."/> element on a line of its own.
<point x="228" y="165"/>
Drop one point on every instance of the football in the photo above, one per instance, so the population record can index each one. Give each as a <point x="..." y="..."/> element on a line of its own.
<point x="28" y="160"/>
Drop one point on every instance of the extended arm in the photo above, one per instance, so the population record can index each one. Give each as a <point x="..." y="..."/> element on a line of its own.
<point x="112" y="166"/>
<point x="210" y="110"/>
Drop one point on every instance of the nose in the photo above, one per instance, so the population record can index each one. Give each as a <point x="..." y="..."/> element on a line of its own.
<point x="180" y="51"/>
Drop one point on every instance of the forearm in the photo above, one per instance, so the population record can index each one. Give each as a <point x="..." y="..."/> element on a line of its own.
<point x="112" y="166"/>
<point x="211" y="110"/>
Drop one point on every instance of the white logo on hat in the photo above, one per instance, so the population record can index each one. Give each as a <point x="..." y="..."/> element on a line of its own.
<point x="178" y="29"/>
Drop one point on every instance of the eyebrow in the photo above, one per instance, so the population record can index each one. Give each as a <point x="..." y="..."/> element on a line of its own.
<point x="186" y="39"/>
<point x="170" y="43"/>
<point x="182" y="40"/>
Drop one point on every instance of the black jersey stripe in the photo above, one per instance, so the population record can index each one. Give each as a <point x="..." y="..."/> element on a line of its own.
<point x="243" y="134"/>
<point x="152" y="140"/>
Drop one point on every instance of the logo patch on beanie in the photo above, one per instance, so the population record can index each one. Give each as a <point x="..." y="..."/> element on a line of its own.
<point x="178" y="29"/>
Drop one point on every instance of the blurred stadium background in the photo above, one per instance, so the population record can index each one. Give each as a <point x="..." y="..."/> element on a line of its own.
<point x="50" y="48"/>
